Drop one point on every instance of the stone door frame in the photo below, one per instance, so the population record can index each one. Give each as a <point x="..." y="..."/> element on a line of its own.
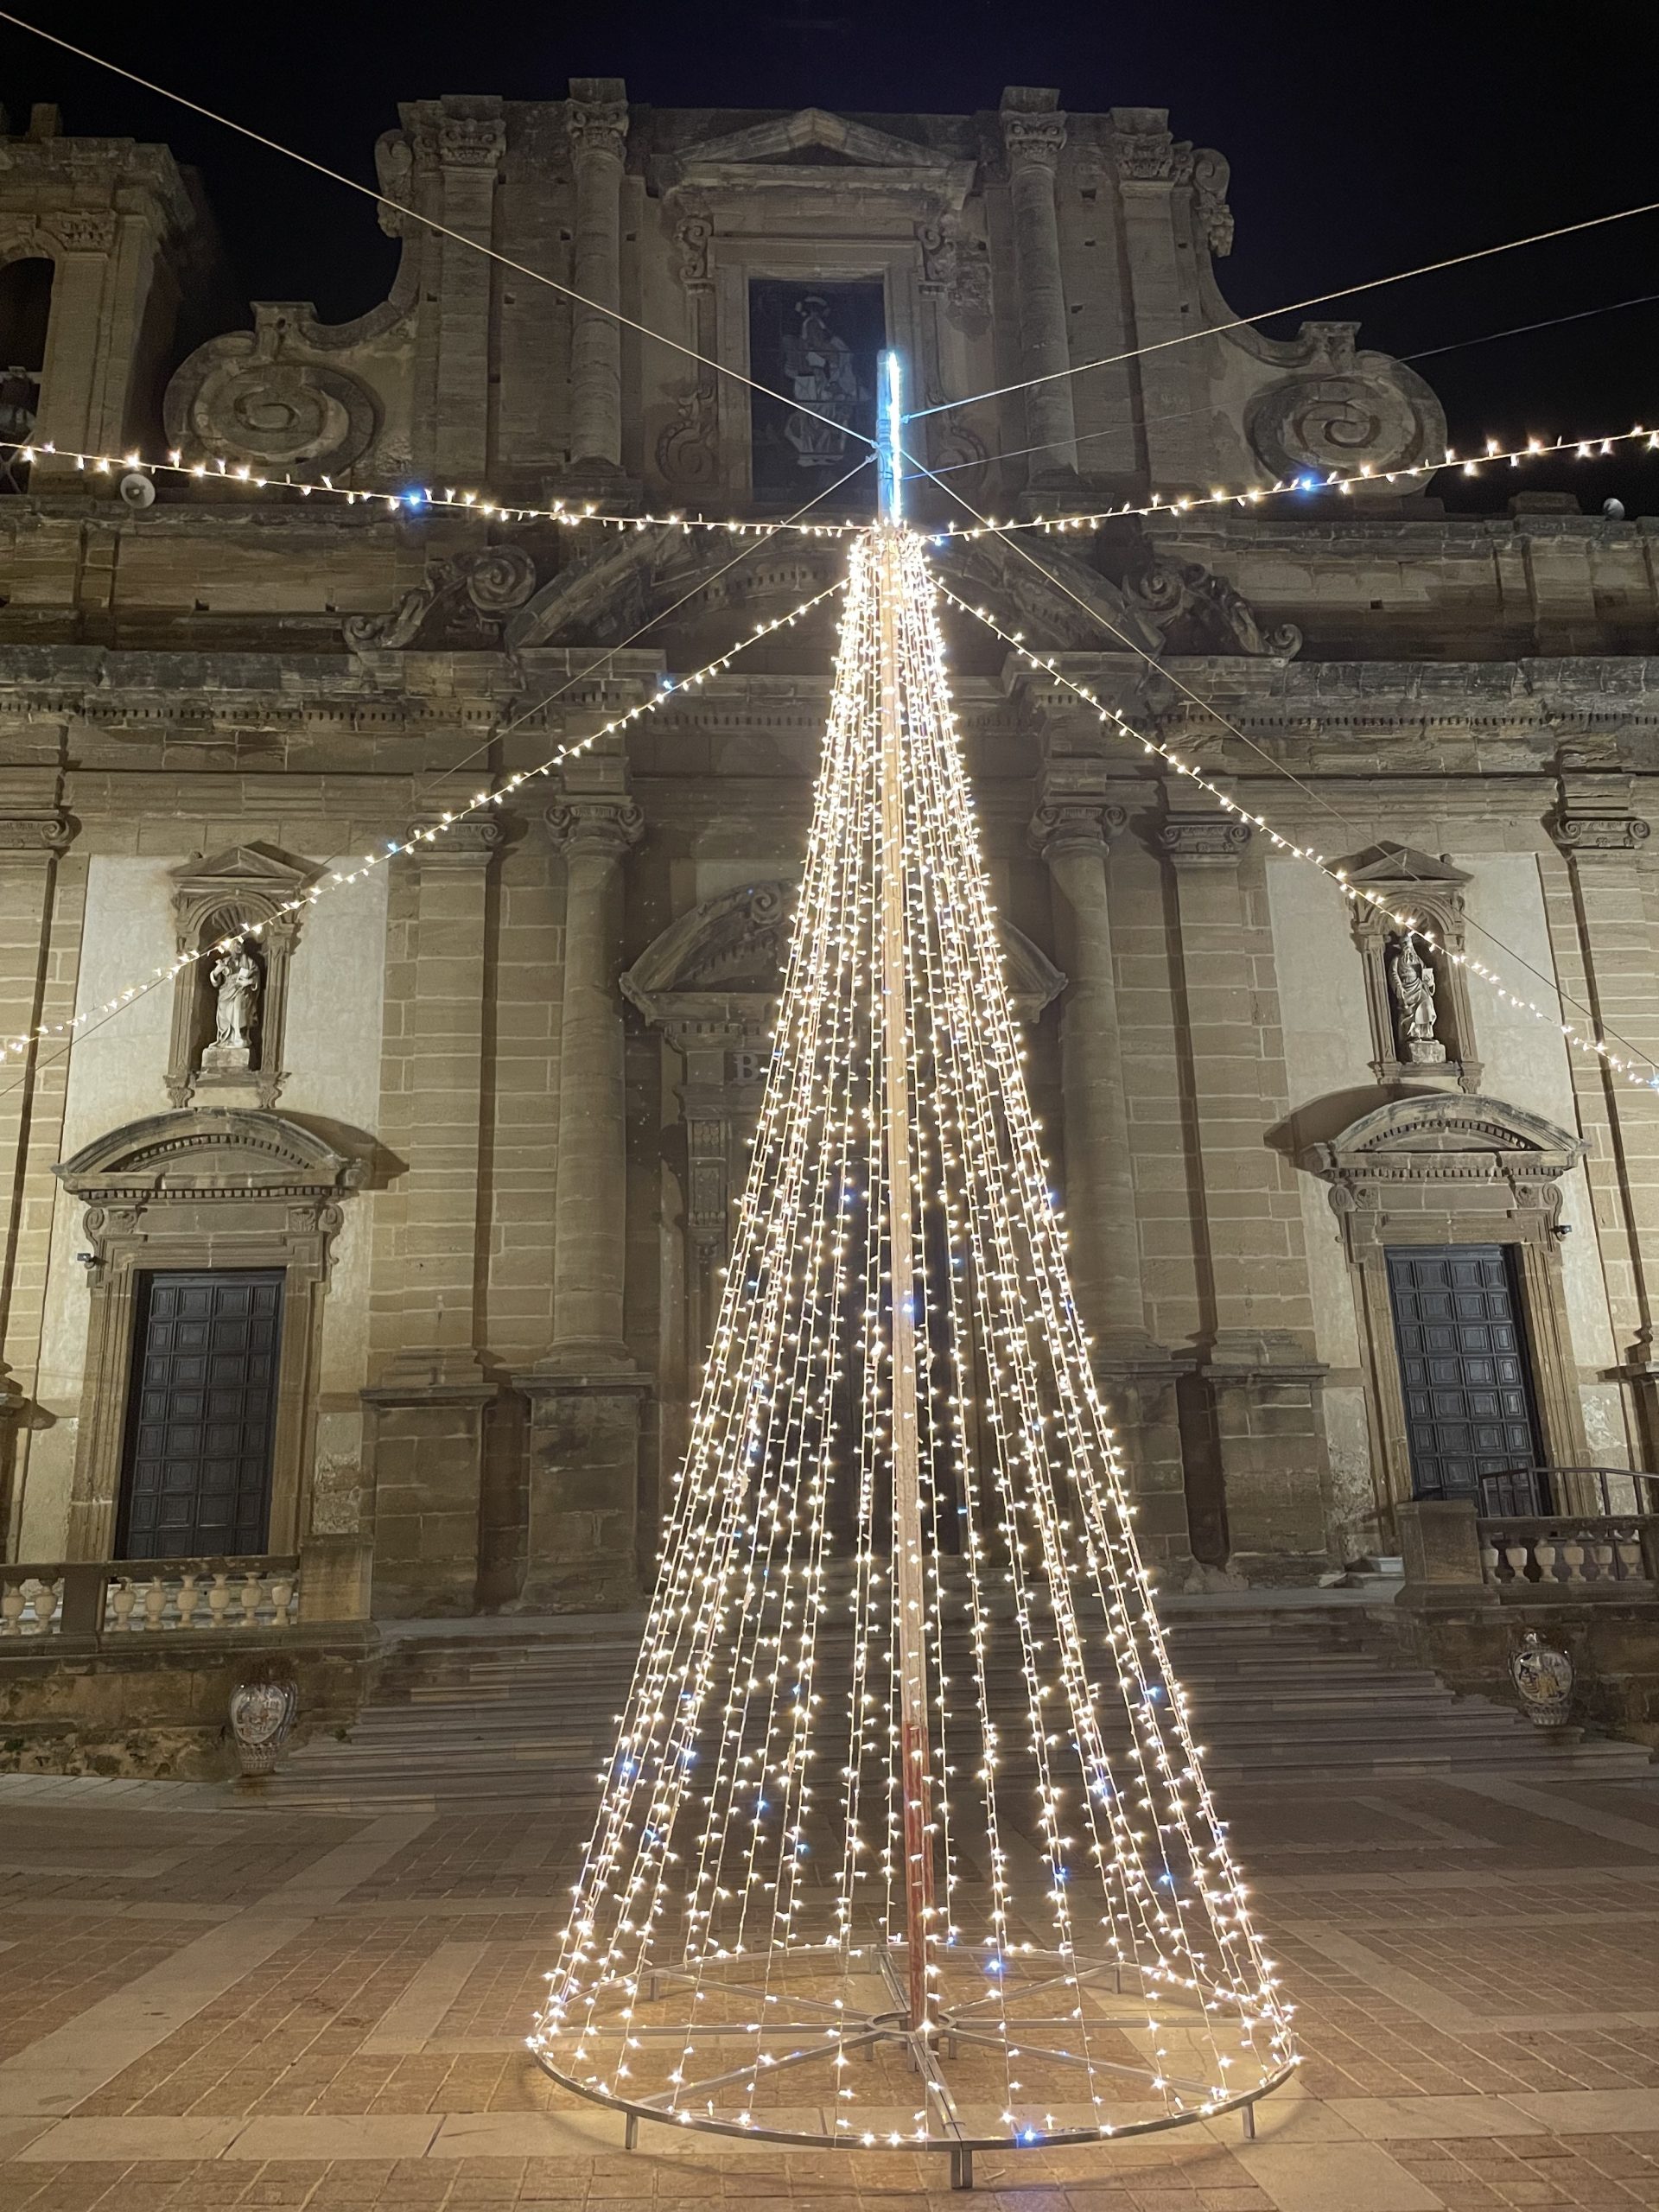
<point x="1444" y="1169"/>
<point x="200" y="1189"/>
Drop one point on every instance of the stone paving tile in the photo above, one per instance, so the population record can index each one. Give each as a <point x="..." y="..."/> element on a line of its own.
<point x="64" y="1962"/>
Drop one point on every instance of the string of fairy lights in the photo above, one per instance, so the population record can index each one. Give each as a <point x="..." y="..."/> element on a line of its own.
<point x="219" y="471"/>
<point x="776" y="1557"/>
<point x="1632" y="1070"/>
<point x="20" y="1043"/>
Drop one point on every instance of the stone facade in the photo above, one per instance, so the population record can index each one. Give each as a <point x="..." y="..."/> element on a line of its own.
<point x="493" y="1122"/>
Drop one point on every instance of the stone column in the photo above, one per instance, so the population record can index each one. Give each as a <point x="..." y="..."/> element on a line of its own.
<point x="1173" y="381"/>
<point x="599" y="132"/>
<point x="1072" y="829"/>
<point x="1256" y="1432"/>
<point x="585" y="1394"/>
<point x="38" y="951"/>
<point x="1033" y="132"/>
<point x="431" y="1408"/>
<point x="1602" y="907"/>
<point x="471" y="141"/>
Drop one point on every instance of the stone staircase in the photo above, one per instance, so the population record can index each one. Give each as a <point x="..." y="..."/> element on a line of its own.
<point x="488" y="1715"/>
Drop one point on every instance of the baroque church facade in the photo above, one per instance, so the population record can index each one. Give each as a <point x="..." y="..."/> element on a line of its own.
<point x="407" y="1220"/>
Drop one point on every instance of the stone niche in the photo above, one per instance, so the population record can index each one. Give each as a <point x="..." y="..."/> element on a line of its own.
<point x="208" y="1187"/>
<point x="1431" y="892"/>
<point x="247" y="892"/>
<point x="1431" y="1170"/>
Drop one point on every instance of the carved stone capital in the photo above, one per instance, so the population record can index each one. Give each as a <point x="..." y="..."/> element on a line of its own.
<point x="471" y="141"/>
<point x="598" y="117"/>
<point x="35" y="833"/>
<point x="88" y="231"/>
<point x="1142" y="147"/>
<point x="1074" y="826"/>
<point x="470" y="844"/>
<point x="1204" y="839"/>
<point x="1600" y="833"/>
<point x="603" y="826"/>
<point x="1033" y="128"/>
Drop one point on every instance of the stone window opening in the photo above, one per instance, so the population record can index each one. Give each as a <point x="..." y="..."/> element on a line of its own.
<point x="25" y="312"/>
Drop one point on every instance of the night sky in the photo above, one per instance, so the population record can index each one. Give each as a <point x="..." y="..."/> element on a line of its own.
<point x="1362" y="140"/>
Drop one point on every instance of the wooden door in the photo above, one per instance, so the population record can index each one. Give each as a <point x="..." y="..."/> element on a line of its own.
<point x="196" y="1466"/>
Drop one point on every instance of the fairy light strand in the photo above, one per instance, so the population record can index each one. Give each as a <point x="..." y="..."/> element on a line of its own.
<point x="481" y="505"/>
<point x="1366" y="478"/>
<point x="415" y="499"/>
<point x="751" y="1820"/>
<point x="1594" y="1045"/>
<point x="18" y="1045"/>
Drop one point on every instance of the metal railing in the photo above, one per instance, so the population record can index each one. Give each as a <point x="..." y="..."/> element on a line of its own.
<point x="1531" y="1491"/>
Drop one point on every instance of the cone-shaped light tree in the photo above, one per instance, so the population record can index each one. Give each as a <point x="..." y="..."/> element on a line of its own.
<point x="905" y="1839"/>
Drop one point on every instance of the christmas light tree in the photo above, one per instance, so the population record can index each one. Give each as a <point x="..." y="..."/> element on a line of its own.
<point x="905" y="1840"/>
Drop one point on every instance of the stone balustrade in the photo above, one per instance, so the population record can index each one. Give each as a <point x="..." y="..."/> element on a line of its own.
<point x="1570" y="1555"/>
<point x="116" y="1601"/>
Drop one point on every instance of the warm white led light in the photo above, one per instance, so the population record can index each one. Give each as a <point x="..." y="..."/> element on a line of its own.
<point x="903" y="1755"/>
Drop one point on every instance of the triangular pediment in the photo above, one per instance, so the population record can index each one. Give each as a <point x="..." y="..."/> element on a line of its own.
<point x="1388" y="862"/>
<point x="256" y="867"/>
<point x="813" y="131"/>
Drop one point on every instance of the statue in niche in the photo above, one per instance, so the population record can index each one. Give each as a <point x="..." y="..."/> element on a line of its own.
<point x="1411" y="981"/>
<point x="237" y="982"/>
<point x="819" y="366"/>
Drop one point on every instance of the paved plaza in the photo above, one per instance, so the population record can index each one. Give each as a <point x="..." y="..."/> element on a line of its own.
<point x="206" y="2003"/>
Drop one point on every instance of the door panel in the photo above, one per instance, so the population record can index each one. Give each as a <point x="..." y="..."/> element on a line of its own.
<point x="1464" y="1366"/>
<point x="200" y="1414"/>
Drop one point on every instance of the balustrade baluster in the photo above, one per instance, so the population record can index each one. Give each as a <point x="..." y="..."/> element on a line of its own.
<point x="282" y="1599"/>
<point x="1544" y="1551"/>
<point x="189" y="1592"/>
<point x="1489" y="1561"/>
<point x="46" y="1606"/>
<point x="1517" y="1554"/>
<point x="1602" y="1553"/>
<point x="123" y="1598"/>
<point x="155" y="1596"/>
<point x="1630" y="1558"/>
<point x="218" y="1601"/>
<point x="12" y="1602"/>
<point x="252" y="1591"/>
<point x="1572" y="1559"/>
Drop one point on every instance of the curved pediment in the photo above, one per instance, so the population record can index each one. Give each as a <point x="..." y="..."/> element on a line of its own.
<point x="733" y="947"/>
<point x="207" y="1151"/>
<point x="1446" y="1136"/>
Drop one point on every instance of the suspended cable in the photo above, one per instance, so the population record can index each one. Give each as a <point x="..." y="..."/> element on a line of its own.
<point x="1550" y="982"/>
<point x="1292" y="306"/>
<point x="427" y="222"/>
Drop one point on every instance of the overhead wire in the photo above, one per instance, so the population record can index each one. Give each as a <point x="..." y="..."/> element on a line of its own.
<point x="20" y="1046"/>
<point x="1291" y="307"/>
<point x="1550" y="982"/>
<point x="428" y="222"/>
<point x="1139" y="420"/>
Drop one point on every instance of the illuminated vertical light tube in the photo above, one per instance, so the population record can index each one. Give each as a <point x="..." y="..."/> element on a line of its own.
<point x="909" y="1577"/>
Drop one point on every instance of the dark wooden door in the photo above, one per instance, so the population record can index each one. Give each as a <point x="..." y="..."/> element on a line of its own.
<point x="1464" y="1363"/>
<point x="201" y="1413"/>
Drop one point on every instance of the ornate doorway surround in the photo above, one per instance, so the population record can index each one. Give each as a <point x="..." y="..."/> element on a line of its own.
<point x="1448" y="1169"/>
<point x="205" y="1188"/>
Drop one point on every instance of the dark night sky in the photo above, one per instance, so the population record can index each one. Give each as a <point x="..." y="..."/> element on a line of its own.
<point x="1362" y="140"/>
